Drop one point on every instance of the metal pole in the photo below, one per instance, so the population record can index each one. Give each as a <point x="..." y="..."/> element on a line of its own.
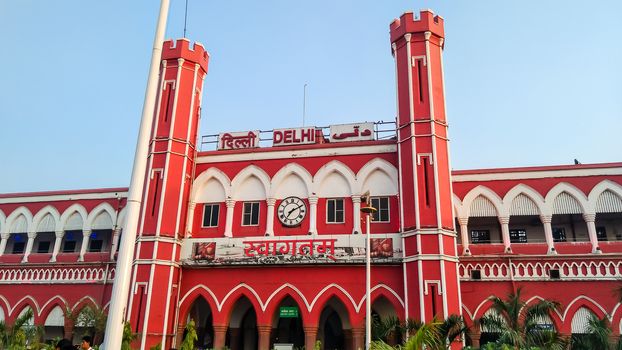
<point x="120" y="290"/>
<point x="367" y="286"/>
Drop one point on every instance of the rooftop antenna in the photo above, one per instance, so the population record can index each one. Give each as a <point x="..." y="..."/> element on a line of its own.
<point x="185" y="18"/>
<point x="304" y="103"/>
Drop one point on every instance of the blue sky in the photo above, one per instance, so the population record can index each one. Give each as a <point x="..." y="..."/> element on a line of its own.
<point x="527" y="83"/>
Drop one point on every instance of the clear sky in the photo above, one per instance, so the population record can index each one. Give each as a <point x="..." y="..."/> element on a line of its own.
<point x="527" y="82"/>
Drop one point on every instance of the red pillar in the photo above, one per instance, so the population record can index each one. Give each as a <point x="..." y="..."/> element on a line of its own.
<point x="220" y="336"/>
<point x="426" y="209"/>
<point x="172" y="152"/>
<point x="358" y="338"/>
<point x="264" y="336"/>
<point x="310" y="336"/>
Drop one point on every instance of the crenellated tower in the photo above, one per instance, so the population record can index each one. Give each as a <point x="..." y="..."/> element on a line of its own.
<point x="426" y="214"/>
<point x="156" y="272"/>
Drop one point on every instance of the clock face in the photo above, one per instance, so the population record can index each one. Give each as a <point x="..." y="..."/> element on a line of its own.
<point x="292" y="211"/>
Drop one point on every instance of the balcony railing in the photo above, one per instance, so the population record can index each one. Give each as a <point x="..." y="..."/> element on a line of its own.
<point x="83" y="273"/>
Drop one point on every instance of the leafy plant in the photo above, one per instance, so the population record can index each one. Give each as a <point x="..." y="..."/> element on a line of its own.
<point x="128" y="337"/>
<point x="190" y="338"/>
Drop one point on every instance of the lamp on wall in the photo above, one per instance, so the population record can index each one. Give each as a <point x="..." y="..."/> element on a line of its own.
<point x="368" y="210"/>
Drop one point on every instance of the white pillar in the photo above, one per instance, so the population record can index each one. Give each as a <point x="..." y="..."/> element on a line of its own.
<point x="356" y="200"/>
<point x="57" y="242"/>
<point x="190" y="219"/>
<point x="115" y="241"/>
<point x="5" y="238"/>
<point x="505" y="233"/>
<point x="313" y="215"/>
<point x="229" y="220"/>
<point x="464" y="235"/>
<point x="29" y="244"/>
<point x="591" y="231"/>
<point x="86" y="235"/>
<point x="548" y="233"/>
<point x="270" y="218"/>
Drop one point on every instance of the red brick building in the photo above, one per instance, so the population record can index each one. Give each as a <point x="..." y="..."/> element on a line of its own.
<point x="260" y="239"/>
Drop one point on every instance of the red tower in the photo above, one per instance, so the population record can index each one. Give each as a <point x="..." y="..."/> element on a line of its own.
<point x="156" y="273"/>
<point x="427" y="224"/>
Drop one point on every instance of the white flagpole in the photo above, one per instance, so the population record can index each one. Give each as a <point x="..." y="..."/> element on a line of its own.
<point x="122" y="279"/>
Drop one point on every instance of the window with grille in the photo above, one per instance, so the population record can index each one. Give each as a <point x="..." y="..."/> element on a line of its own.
<point x="601" y="233"/>
<point x="382" y="209"/>
<point x="518" y="235"/>
<point x="559" y="234"/>
<point x="250" y="214"/>
<point x="480" y="236"/>
<point x="210" y="215"/>
<point x="334" y="211"/>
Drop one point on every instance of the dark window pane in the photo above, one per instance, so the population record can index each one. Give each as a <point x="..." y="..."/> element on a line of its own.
<point x="215" y="212"/>
<point x="601" y="233"/>
<point x="210" y="215"/>
<point x="330" y="211"/>
<point x="69" y="247"/>
<point x="255" y="214"/>
<point x="339" y="204"/>
<point x="518" y="236"/>
<point x="96" y="245"/>
<point x="559" y="234"/>
<point x="18" y="247"/>
<point x="43" y="247"/>
<point x="480" y="236"/>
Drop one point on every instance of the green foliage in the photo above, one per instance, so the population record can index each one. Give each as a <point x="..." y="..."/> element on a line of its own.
<point x="156" y="347"/>
<point x="517" y="323"/>
<point x="598" y="336"/>
<point x="19" y="334"/>
<point x="317" y="345"/>
<point x="190" y="338"/>
<point x="128" y="337"/>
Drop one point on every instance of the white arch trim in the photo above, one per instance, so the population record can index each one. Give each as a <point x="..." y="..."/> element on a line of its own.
<point x="592" y="301"/>
<point x="48" y="209"/>
<point x="204" y="177"/>
<point x="36" y="311"/>
<point x="284" y="172"/>
<point x="539" y="298"/>
<point x="599" y="189"/>
<point x="50" y="300"/>
<point x="527" y="191"/>
<point x="574" y="192"/>
<point x="103" y="207"/>
<point x="73" y="209"/>
<point x="2" y="221"/>
<point x="251" y="170"/>
<point x="487" y="193"/>
<point x="15" y="215"/>
<point x="338" y="167"/>
<point x="370" y="167"/>
<point x="80" y="301"/>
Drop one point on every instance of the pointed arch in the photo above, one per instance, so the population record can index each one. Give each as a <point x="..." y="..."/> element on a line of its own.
<point x="587" y="302"/>
<point x="200" y="183"/>
<point x="22" y="303"/>
<point x="41" y="214"/>
<point x="602" y="187"/>
<point x="564" y="187"/>
<point x="334" y="167"/>
<point x="555" y="316"/>
<point x="251" y="171"/>
<point x="3" y="228"/>
<point x="388" y="295"/>
<point x="54" y="301"/>
<point x="74" y="208"/>
<point x="291" y="169"/>
<point x="14" y="217"/>
<point x="185" y="303"/>
<point x="527" y="191"/>
<point x="488" y="194"/>
<point x="459" y="210"/>
<point x="339" y="293"/>
<point x="82" y="303"/>
<point x="371" y="167"/>
<point x="94" y="215"/>
<point x="283" y="292"/>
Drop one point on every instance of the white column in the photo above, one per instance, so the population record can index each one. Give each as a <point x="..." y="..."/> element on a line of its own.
<point x="86" y="235"/>
<point x="313" y="215"/>
<point x="356" y="200"/>
<point x="190" y="219"/>
<point x="548" y="233"/>
<point x="115" y="241"/>
<point x="464" y="235"/>
<point x="229" y="220"/>
<point x="29" y="244"/>
<point x="270" y="218"/>
<point x="5" y="238"/>
<point x="505" y="233"/>
<point x="57" y="242"/>
<point x="591" y="231"/>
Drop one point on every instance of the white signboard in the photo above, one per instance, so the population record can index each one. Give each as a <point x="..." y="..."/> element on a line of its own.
<point x="352" y="132"/>
<point x="291" y="249"/>
<point x="238" y="140"/>
<point x="293" y="136"/>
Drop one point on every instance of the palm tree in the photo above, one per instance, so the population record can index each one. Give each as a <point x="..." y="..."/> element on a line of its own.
<point x="597" y="336"/>
<point x="519" y="324"/>
<point x="18" y="335"/>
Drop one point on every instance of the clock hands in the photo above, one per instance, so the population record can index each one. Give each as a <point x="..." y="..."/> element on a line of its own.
<point x="294" y="209"/>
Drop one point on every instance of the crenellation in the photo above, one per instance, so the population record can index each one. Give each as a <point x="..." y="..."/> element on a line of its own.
<point x="408" y="22"/>
<point x="181" y="48"/>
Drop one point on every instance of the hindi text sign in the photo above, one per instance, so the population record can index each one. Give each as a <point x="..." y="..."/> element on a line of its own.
<point x="238" y="140"/>
<point x="352" y="132"/>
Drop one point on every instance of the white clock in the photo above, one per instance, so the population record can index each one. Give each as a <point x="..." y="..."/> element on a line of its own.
<point x="292" y="211"/>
